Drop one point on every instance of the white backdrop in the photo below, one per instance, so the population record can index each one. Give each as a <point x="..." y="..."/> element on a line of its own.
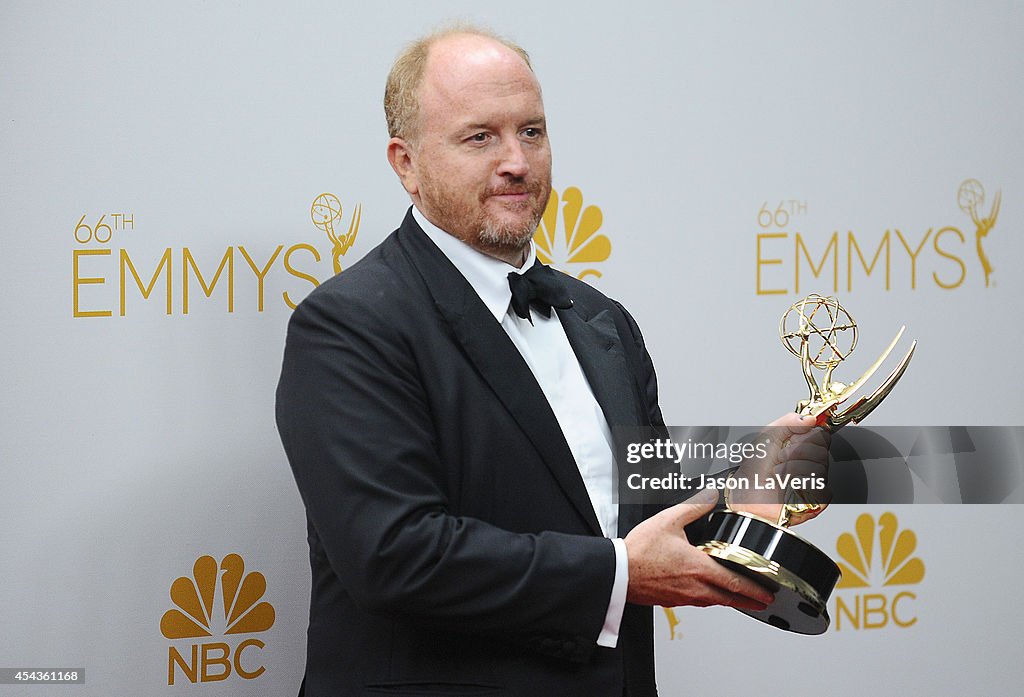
<point x="138" y="437"/>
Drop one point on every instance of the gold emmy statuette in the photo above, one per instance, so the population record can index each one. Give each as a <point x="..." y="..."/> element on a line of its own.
<point x="822" y="334"/>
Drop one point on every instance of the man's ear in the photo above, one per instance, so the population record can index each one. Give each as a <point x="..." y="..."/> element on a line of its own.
<point x="402" y="159"/>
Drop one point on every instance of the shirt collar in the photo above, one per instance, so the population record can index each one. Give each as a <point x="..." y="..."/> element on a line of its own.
<point x="487" y="276"/>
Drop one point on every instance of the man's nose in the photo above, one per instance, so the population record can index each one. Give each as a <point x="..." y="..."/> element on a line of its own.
<point x="513" y="160"/>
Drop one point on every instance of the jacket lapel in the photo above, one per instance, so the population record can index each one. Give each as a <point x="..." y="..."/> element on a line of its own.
<point x="599" y="350"/>
<point x="499" y="363"/>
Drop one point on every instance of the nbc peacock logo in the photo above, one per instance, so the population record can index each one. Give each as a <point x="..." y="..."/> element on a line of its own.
<point x="575" y="247"/>
<point x="878" y="555"/>
<point x="201" y="611"/>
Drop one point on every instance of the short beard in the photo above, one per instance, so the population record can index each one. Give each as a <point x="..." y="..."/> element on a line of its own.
<point x="488" y="236"/>
<point x="510" y="237"/>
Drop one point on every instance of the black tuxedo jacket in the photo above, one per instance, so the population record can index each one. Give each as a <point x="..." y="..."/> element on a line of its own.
<point x="453" y="545"/>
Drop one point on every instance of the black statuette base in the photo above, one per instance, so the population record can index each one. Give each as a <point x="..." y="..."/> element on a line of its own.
<point x="801" y="575"/>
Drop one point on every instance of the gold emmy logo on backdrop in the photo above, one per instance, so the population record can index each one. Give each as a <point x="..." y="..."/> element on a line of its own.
<point x="109" y="276"/>
<point x="325" y="212"/>
<point x="790" y="253"/>
<point x="877" y="554"/>
<point x="579" y="242"/>
<point x="970" y="197"/>
<point x="673" y="622"/>
<point x="196" y="615"/>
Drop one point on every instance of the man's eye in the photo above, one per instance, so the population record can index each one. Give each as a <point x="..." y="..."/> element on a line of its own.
<point x="531" y="132"/>
<point x="479" y="138"/>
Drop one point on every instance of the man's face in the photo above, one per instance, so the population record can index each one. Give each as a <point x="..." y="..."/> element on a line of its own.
<point x="480" y="163"/>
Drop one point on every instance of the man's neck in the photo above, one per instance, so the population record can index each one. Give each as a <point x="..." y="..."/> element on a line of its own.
<point x="516" y="257"/>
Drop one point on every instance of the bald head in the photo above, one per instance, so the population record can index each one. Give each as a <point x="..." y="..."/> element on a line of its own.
<point x="401" y="92"/>
<point x="462" y="69"/>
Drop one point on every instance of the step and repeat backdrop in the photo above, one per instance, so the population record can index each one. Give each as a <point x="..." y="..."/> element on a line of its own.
<point x="177" y="176"/>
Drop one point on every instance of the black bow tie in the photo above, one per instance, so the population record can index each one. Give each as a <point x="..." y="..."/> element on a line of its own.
<point x="539" y="288"/>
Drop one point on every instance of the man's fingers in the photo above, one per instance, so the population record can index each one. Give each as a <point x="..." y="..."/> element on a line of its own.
<point x="682" y="514"/>
<point x="720" y="596"/>
<point x="720" y="586"/>
<point x="665" y="569"/>
<point x="695" y="507"/>
<point x="732" y="588"/>
<point x="737" y="586"/>
<point x="792" y="422"/>
<point x="743" y="602"/>
<point x="804" y="449"/>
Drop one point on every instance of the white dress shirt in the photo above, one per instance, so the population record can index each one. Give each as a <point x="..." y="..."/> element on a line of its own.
<point x="546" y="350"/>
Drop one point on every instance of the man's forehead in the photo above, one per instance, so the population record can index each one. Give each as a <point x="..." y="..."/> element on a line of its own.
<point x="467" y="51"/>
<point x="463" y="66"/>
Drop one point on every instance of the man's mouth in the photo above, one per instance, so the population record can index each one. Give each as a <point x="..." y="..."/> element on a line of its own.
<point x="510" y="195"/>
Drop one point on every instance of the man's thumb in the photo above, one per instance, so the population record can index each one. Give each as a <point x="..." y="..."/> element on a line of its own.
<point x="697" y="506"/>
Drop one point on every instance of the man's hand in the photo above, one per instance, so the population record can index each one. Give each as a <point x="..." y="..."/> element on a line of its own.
<point x="796" y="448"/>
<point x="665" y="569"/>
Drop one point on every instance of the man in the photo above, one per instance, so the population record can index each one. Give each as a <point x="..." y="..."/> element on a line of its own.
<point x="453" y="454"/>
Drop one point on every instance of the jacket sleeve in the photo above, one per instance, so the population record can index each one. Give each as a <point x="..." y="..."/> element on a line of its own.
<point x="643" y="369"/>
